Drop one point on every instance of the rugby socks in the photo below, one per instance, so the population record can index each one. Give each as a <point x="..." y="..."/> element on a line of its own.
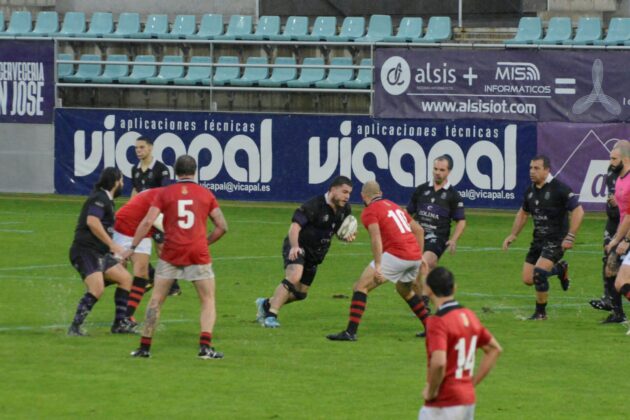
<point x="151" y="272"/>
<point x="121" y="297"/>
<point x="205" y="339"/>
<point x="416" y="303"/>
<point x="135" y="296"/>
<point x="145" y="343"/>
<point x="555" y="270"/>
<point x="86" y="304"/>
<point x="625" y="290"/>
<point x="267" y="309"/>
<point x="541" y="308"/>
<point x="357" y="307"/>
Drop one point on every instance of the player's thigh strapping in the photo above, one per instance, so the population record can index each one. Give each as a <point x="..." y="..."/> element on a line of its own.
<point x="397" y="270"/>
<point x="167" y="270"/>
<point x="144" y="247"/>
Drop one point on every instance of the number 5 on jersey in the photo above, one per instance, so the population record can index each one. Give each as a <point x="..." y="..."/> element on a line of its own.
<point x="185" y="216"/>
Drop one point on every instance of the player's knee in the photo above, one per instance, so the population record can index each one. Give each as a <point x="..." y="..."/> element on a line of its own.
<point x="298" y="295"/>
<point x="541" y="280"/>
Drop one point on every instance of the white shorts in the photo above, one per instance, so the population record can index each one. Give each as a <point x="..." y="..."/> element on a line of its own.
<point x="626" y="259"/>
<point x="144" y="247"/>
<point x="454" y="412"/>
<point x="395" y="269"/>
<point x="190" y="272"/>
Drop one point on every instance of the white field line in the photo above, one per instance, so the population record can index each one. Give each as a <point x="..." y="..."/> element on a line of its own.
<point x="95" y="324"/>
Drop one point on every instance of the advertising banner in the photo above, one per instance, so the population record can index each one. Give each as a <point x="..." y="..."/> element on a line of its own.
<point x="291" y="158"/>
<point x="579" y="155"/>
<point x="27" y="81"/>
<point x="516" y="85"/>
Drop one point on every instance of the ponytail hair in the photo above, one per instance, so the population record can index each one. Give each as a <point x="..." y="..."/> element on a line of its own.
<point x="108" y="179"/>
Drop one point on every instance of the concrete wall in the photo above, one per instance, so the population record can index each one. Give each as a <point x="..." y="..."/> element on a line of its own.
<point x="27" y="158"/>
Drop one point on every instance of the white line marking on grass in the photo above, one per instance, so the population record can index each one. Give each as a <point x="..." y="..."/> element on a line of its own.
<point x="95" y="324"/>
<point x="11" y="223"/>
<point x="33" y="267"/>
<point x="16" y="231"/>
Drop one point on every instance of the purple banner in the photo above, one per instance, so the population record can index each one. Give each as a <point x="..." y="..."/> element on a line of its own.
<point x="27" y="81"/>
<point x="523" y="85"/>
<point x="579" y="155"/>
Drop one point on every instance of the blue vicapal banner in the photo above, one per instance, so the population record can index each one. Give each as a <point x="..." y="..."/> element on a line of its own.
<point x="291" y="158"/>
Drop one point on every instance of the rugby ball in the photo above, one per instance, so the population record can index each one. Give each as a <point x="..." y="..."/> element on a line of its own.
<point x="348" y="228"/>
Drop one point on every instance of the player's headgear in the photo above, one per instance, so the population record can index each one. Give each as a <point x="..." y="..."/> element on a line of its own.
<point x="441" y="281"/>
<point x="108" y="178"/>
<point x="185" y="165"/>
<point x="545" y="160"/>
<point x="339" y="181"/>
<point x="145" y="139"/>
<point x="448" y="159"/>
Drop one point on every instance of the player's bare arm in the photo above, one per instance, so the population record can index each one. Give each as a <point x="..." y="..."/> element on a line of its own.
<point x="220" y="226"/>
<point x="577" y="215"/>
<point x="294" y="233"/>
<point x="492" y="351"/>
<point x="143" y="229"/>
<point x="517" y="227"/>
<point x="435" y="376"/>
<point x="418" y="231"/>
<point x="96" y="227"/>
<point x="618" y="243"/>
<point x="459" y="230"/>
<point x="377" y="248"/>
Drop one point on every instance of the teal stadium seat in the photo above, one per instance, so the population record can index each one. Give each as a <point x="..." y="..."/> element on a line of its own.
<point x="558" y="31"/>
<point x="73" y="25"/>
<point x="309" y="75"/>
<point x="337" y="77"/>
<point x="101" y="25"/>
<point x="224" y="74"/>
<point x="438" y="30"/>
<point x="323" y="27"/>
<point x="281" y="75"/>
<point x="364" y="76"/>
<point x="267" y="27"/>
<point x="196" y="75"/>
<point x="113" y="70"/>
<point x="183" y="27"/>
<point x="588" y="31"/>
<point x="239" y="25"/>
<point x="154" y="26"/>
<point x="64" y="69"/>
<point x="140" y="72"/>
<point x="252" y="75"/>
<point x="529" y="31"/>
<point x="295" y="27"/>
<point x="353" y="27"/>
<point x="210" y="27"/>
<point x="86" y="70"/>
<point x="168" y="74"/>
<point x="128" y="26"/>
<point x="21" y="24"/>
<point x="47" y="24"/>
<point x="379" y="27"/>
<point x="409" y="30"/>
<point x="618" y="32"/>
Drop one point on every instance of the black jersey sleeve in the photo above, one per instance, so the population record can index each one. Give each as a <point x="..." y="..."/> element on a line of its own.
<point x="569" y="198"/>
<point x="525" y="205"/>
<point x="96" y="206"/>
<point x="134" y="178"/>
<point x="412" y="206"/>
<point x="457" y="207"/>
<point x="162" y="175"/>
<point x="306" y="213"/>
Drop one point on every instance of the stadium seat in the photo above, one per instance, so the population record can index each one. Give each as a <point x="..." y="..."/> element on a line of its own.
<point x="73" y="25"/>
<point x="239" y="25"/>
<point x="21" y="24"/>
<point x="352" y="27"/>
<point x="140" y="72"/>
<point x="529" y="31"/>
<point x="309" y="75"/>
<point x="47" y="24"/>
<point x="64" y="69"/>
<point x="154" y="26"/>
<point x="267" y="26"/>
<point x="196" y="75"/>
<point x="558" y="31"/>
<point x="410" y="29"/>
<point x="224" y="74"/>
<point x="618" y="32"/>
<point x="168" y="74"/>
<point x="379" y="27"/>
<point x="323" y="27"/>
<point x="1" y="21"/>
<point x="86" y="71"/>
<point x="438" y="30"/>
<point x="295" y="27"/>
<point x="589" y="30"/>
<point x="281" y="75"/>
<point x="364" y="76"/>
<point x="183" y="27"/>
<point x="210" y="27"/>
<point x="252" y="75"/>
<point x="101" y="25"/>
<point x="337" y="77"/>
<point x="114" y="71"/>
<point x="128" y="26"/>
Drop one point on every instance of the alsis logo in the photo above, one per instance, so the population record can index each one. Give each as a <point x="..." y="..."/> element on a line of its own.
<point x="105" y="148"/>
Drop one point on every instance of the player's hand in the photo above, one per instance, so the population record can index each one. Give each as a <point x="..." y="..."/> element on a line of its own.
<point x="622" y="248"/>
<point x="350" y="238"/>
<point x="126" y="254"/>
<point x="295" y="252"/>
<point x="611" y="201"/>
<point x="425" y="394"/>
<point x="117" y="250"/>
<point x="567" y="242"/>
<point x="508" y="241"/>
<point x="451" y="245"/>
<point x="611" y="245"/>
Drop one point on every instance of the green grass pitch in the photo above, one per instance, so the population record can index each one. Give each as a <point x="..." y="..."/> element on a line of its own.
<point x="568" y="367"/>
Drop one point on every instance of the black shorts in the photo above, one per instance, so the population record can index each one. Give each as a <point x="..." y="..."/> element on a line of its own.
<point x="435" y="244"/>
<point x="549" y="249"/>
<point x="88" y="261"/>
<point x="310" y="268"/>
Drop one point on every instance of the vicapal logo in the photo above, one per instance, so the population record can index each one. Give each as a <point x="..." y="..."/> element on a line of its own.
<point x="395" y="75"/>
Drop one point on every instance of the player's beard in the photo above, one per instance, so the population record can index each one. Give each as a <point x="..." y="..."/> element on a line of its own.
<point x="117" y="191"/>
<point x="617" y="169"/>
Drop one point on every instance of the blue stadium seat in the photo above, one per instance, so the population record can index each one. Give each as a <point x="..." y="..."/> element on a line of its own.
<point x="183" y="27"/>
<point x="267" y="27"/>
<point x="295" y="27"/>
<point x="379" y="27"/>
<point x="252" y="75"/>
<point x="438" y="30"/>
<point x="210" y="27"/>
<point x="47" y="24"/>
<point x="128" y="26"/>
<point x="73" y="25"/>
<point x="140" y="72"/>
<point x="281" y="75"/>
<point x="113" y="70"/>
<point x="409" y="30"/>
<point x="323" y="27"/>
<point x="86" y="70"/>
<point x="154" y="26"/>
<point x="309" y="76"/>
<point x="589" y="30"/>
<point x="364" y="76"/>
<point x="224" y="74"/>
<point x="337" y="77"/>
<point x="64" y="69"/>
<point x="618" y="32"/>
<point x="239" y="25"/>
<point x="168" y="74"/>
<point x="21" y="24"/>
<point x="196" y="75"/>
<point x="558" y="31"/>
<point x="352" y="27"/>
<point x="101" y="25"/>
<point x="529" y="31"/>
